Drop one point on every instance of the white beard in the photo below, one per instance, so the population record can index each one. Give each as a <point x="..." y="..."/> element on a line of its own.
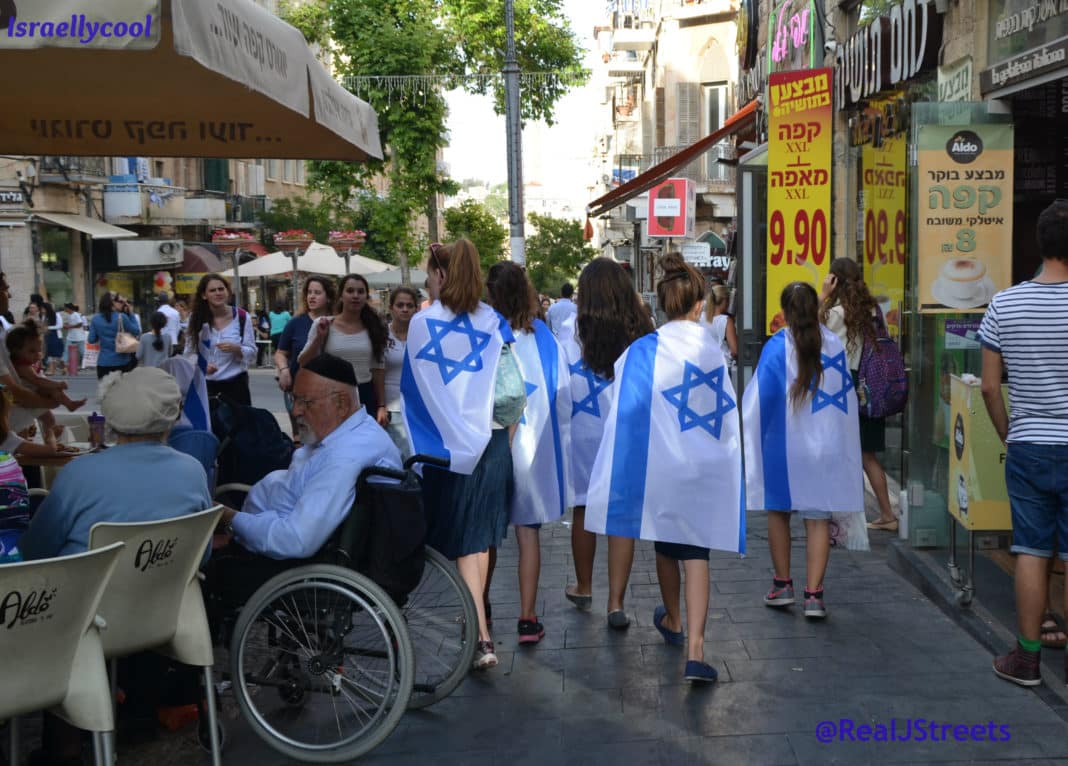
<point x="307" y="435"/>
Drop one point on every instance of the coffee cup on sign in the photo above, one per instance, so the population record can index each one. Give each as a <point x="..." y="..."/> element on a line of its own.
<point x="963" y="278"/>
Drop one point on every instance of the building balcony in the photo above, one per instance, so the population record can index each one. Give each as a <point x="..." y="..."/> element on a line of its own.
<point x="134" y="204"/>
<point x="627" y="68"/>
<point x="247" y="209"/>
<point x="707" y="169"/>
<point x="640" y="39"/>
<point x="73" y="170"/>
<point x="704" y="11"/>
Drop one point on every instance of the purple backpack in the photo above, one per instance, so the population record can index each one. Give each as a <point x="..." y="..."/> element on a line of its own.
<point x="883" y="384"/>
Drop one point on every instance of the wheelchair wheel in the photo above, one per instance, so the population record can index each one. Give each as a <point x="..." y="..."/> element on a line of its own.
<point x="322" y="664"/>
<point x="443" y="626"/>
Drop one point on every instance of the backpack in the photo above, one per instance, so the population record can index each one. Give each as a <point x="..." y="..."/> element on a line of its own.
<point x="251" y="443"/>
<point x="883" y="385"/>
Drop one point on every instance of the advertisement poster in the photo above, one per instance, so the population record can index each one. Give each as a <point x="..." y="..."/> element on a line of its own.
<point x="799" y="182"/>
<point x="956" y="351"/>
<point x="976" y="495"/>
<point x="673" y="208"/>
<point x="886" y="230"/>
<point x="964" y="228"/>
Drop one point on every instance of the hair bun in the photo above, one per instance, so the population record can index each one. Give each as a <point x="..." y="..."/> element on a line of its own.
<point x="673" y="263"/>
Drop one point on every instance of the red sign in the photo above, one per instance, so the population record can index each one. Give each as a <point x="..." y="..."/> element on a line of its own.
<point x="672" y="208"/>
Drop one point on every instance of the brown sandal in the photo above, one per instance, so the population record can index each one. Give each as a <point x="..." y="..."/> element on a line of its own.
<point x="884" y="526"/>
<point x="1052" y="631"/>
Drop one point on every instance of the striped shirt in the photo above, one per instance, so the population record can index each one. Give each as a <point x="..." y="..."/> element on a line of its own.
<point x="1028" y="325"/>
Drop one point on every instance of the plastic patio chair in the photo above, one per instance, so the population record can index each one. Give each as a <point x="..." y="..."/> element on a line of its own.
<point x="154" y="601"/>
<point x="199" y="444"/>
<point x="51" y="653"/>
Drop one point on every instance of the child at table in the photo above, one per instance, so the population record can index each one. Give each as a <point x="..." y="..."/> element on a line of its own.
<point x="15" y="507"/>
<point x="26" y="349"/>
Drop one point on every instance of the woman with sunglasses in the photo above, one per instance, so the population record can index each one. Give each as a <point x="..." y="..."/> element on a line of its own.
<point x="403" y="303"/>
<point x="463" y="396"/>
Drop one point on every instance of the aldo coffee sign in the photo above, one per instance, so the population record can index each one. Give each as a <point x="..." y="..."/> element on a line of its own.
<point x="891" y="50"/>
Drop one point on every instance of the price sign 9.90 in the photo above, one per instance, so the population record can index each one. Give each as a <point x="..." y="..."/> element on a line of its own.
<point x="880" y="243"/>
<point x="804" y="239"/>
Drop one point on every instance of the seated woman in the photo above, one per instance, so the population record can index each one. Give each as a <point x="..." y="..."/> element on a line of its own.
<point x="139" y="479"/>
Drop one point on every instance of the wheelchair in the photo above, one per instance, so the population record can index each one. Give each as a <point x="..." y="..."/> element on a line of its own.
<point x="326" y="655"/>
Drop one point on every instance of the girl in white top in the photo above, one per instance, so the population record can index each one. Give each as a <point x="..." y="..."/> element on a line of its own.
<point x="221" y="340"/>
<point x="357" y="335"/>
<point x="720" y="323"/>
<point x="403" y="302"/>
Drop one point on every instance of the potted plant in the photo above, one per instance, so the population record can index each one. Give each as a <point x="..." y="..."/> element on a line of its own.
<point x="293" y="238"/>
<point x="227" y="241"/>
<point x="349" y="239"/>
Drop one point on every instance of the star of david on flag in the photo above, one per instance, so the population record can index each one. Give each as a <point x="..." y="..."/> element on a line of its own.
<point x="531" y="388"/>
<point x="595" y="385"/>
<point x="434" y="352"/>
<point x="821" y="398"/>
<point x="693" y="377"/>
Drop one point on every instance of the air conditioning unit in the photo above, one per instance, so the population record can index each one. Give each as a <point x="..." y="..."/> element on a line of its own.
<point x="165" y="253"/>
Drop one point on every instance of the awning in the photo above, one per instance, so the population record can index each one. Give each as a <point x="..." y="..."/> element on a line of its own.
<point x="715" y="242"/>
<point x="189" y="78"/>
<point x="392" y="278"/>
<point x="86" y="225"/>
<point x="738" y="121"/>
<point x="320" y="259"/>
<point x="197" y="259"/>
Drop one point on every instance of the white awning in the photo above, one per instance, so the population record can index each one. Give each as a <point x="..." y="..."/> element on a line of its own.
<point x="86" y="225"/>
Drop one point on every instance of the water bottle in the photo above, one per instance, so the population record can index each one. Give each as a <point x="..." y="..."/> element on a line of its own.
<point x="96" y="430"/>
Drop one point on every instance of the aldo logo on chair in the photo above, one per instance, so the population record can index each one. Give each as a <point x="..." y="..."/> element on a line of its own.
<point x="154" y="553"/>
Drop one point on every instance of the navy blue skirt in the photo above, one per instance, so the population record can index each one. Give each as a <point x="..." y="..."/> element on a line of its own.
<point x="54" y="345"/>
<point x="469" y="514"/>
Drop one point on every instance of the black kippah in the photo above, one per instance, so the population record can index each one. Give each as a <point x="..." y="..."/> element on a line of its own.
<point x="330" y="366"/>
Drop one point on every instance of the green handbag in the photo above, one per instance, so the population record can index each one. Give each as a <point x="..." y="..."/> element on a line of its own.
<point x="509" y="391"/>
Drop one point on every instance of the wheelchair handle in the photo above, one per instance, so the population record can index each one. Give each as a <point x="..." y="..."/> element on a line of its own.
<point x="386" y="473"/>
<point x="440" y="462"/>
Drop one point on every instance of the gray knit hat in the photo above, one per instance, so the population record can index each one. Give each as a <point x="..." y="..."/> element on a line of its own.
<point x="146" y="400"/>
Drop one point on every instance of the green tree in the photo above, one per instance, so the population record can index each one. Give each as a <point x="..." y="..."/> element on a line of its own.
<point x="497" y="200"/>
<point x="472" y="220"/>
<point x="556" y="252"/>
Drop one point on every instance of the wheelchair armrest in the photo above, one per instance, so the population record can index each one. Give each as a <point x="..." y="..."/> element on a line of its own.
<point x="440" y="462"/>
<point x="232" y="487"/>
<point x="38" y="492"/>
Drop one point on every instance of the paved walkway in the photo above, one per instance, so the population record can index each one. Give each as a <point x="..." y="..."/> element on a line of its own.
<point x="586" y="694"/>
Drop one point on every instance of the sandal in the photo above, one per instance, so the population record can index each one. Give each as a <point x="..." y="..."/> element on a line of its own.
<point x="582" y="602"/>
<point x="1052" y="631"/>
<point x="884" y="526"/>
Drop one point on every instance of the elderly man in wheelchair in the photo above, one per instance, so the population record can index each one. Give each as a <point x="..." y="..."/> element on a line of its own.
<point x="336" y="617"/>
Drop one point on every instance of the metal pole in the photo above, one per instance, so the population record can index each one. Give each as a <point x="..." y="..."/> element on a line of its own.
<point x="296" y="278"/>
<point x="348" y="255"/>
<point x="515" y="138"/>
<point x="236" y="255"/>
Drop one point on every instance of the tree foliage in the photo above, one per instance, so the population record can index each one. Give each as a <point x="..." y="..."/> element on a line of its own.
<point x="556" y="252"/>
<point x="472" y="220"/>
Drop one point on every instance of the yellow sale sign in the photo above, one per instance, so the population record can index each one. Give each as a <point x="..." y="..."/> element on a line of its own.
<point x="800" y="119"/>
<point x="886" y="226"/>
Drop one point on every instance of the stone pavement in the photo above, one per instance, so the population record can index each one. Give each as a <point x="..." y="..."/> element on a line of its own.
<point x="586" y="694"/>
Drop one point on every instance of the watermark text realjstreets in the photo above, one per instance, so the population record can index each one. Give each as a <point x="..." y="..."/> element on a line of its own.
<point x="910" y="730"/>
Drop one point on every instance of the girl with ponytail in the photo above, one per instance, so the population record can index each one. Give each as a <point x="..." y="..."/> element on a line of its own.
<point x="850" y="312"/>
<point x="802" y="443"/>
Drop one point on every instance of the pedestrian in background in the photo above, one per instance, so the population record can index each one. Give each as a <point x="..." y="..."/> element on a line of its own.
<point x="802" y="442"/>
<point x="402" y="307"/>
<point x="220" y="340"/>
<point x="113" y="315"/>
<point x="279" y="318"/>
<point x="154" y="347"/>
<point x="609" y="317"/>
<point x="1025" y="334"/>
<point x="317" y="298"/>
<point x="560" y="311"/>
<point x="74" y="324"/>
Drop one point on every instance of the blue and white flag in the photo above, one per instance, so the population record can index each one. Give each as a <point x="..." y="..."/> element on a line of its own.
<point x="669" y="467"/>
<point x="541" y="447"/>
<point x="447" y="383"/>
<point x="805" y="458"/>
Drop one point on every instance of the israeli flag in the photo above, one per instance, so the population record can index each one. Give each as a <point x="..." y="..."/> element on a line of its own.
<point x="542" y="441"/>
<point x="669" y="467"/>
<point x="447" y="383"/>
<point x="590" y="399"/>
<point x="805" y="458"/>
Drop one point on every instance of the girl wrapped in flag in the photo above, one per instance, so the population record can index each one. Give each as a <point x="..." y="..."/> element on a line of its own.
<point x="802" y="442"/>
<point x="542" y="442"/>
<point x="455" y="408"/>
<point x="610" y="317"/>
<point x="669" y="467"/>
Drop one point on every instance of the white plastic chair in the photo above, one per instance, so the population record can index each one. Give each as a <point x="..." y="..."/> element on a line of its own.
<point x="51" y="654"/>
<point x="154" y="601"/>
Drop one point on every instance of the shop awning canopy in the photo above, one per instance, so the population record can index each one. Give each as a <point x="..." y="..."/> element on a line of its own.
<point x="91" y="226"/>
<point x="737" y="122"/>
<point x="715" y="242"/>
<point x="186" y="78"/>
<point x="393" y="278"/>
<point x="320" y="259"/>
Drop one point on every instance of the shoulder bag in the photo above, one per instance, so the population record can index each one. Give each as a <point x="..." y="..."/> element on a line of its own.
<point x="125" y="343"/>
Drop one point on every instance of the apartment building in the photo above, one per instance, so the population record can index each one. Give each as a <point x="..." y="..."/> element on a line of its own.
<point x="669" y="69"/>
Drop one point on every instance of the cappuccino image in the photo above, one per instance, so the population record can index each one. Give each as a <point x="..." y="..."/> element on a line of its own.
<point x="962" y="278"/>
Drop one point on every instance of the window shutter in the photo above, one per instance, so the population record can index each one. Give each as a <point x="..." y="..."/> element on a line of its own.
<point x="688" y="106"/>
<point x="217" y="175"/>
<point x="660" y="117"/>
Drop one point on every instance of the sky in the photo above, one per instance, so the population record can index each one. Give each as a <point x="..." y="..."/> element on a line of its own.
<point x="557" y="156"/>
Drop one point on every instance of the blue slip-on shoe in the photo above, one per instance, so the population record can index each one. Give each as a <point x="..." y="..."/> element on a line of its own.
<point x="671" y="638"/>
<point x="698" y="672"/>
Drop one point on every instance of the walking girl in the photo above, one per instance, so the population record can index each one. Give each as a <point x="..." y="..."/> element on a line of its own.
<point x="541" y="446"/>
<point x="403" y="303"/>
<point x="610" y="317"/>
<point x="221" y="340"/>
<point x="802" y="443"/>
<point x="317" y="299"/>
<point x="669" y="465"/>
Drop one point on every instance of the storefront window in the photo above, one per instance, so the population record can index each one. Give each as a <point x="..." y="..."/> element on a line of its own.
<point x="55" y="251"/>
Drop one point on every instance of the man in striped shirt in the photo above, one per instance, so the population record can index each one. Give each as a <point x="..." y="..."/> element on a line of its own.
<point x="1025" y="333"/>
